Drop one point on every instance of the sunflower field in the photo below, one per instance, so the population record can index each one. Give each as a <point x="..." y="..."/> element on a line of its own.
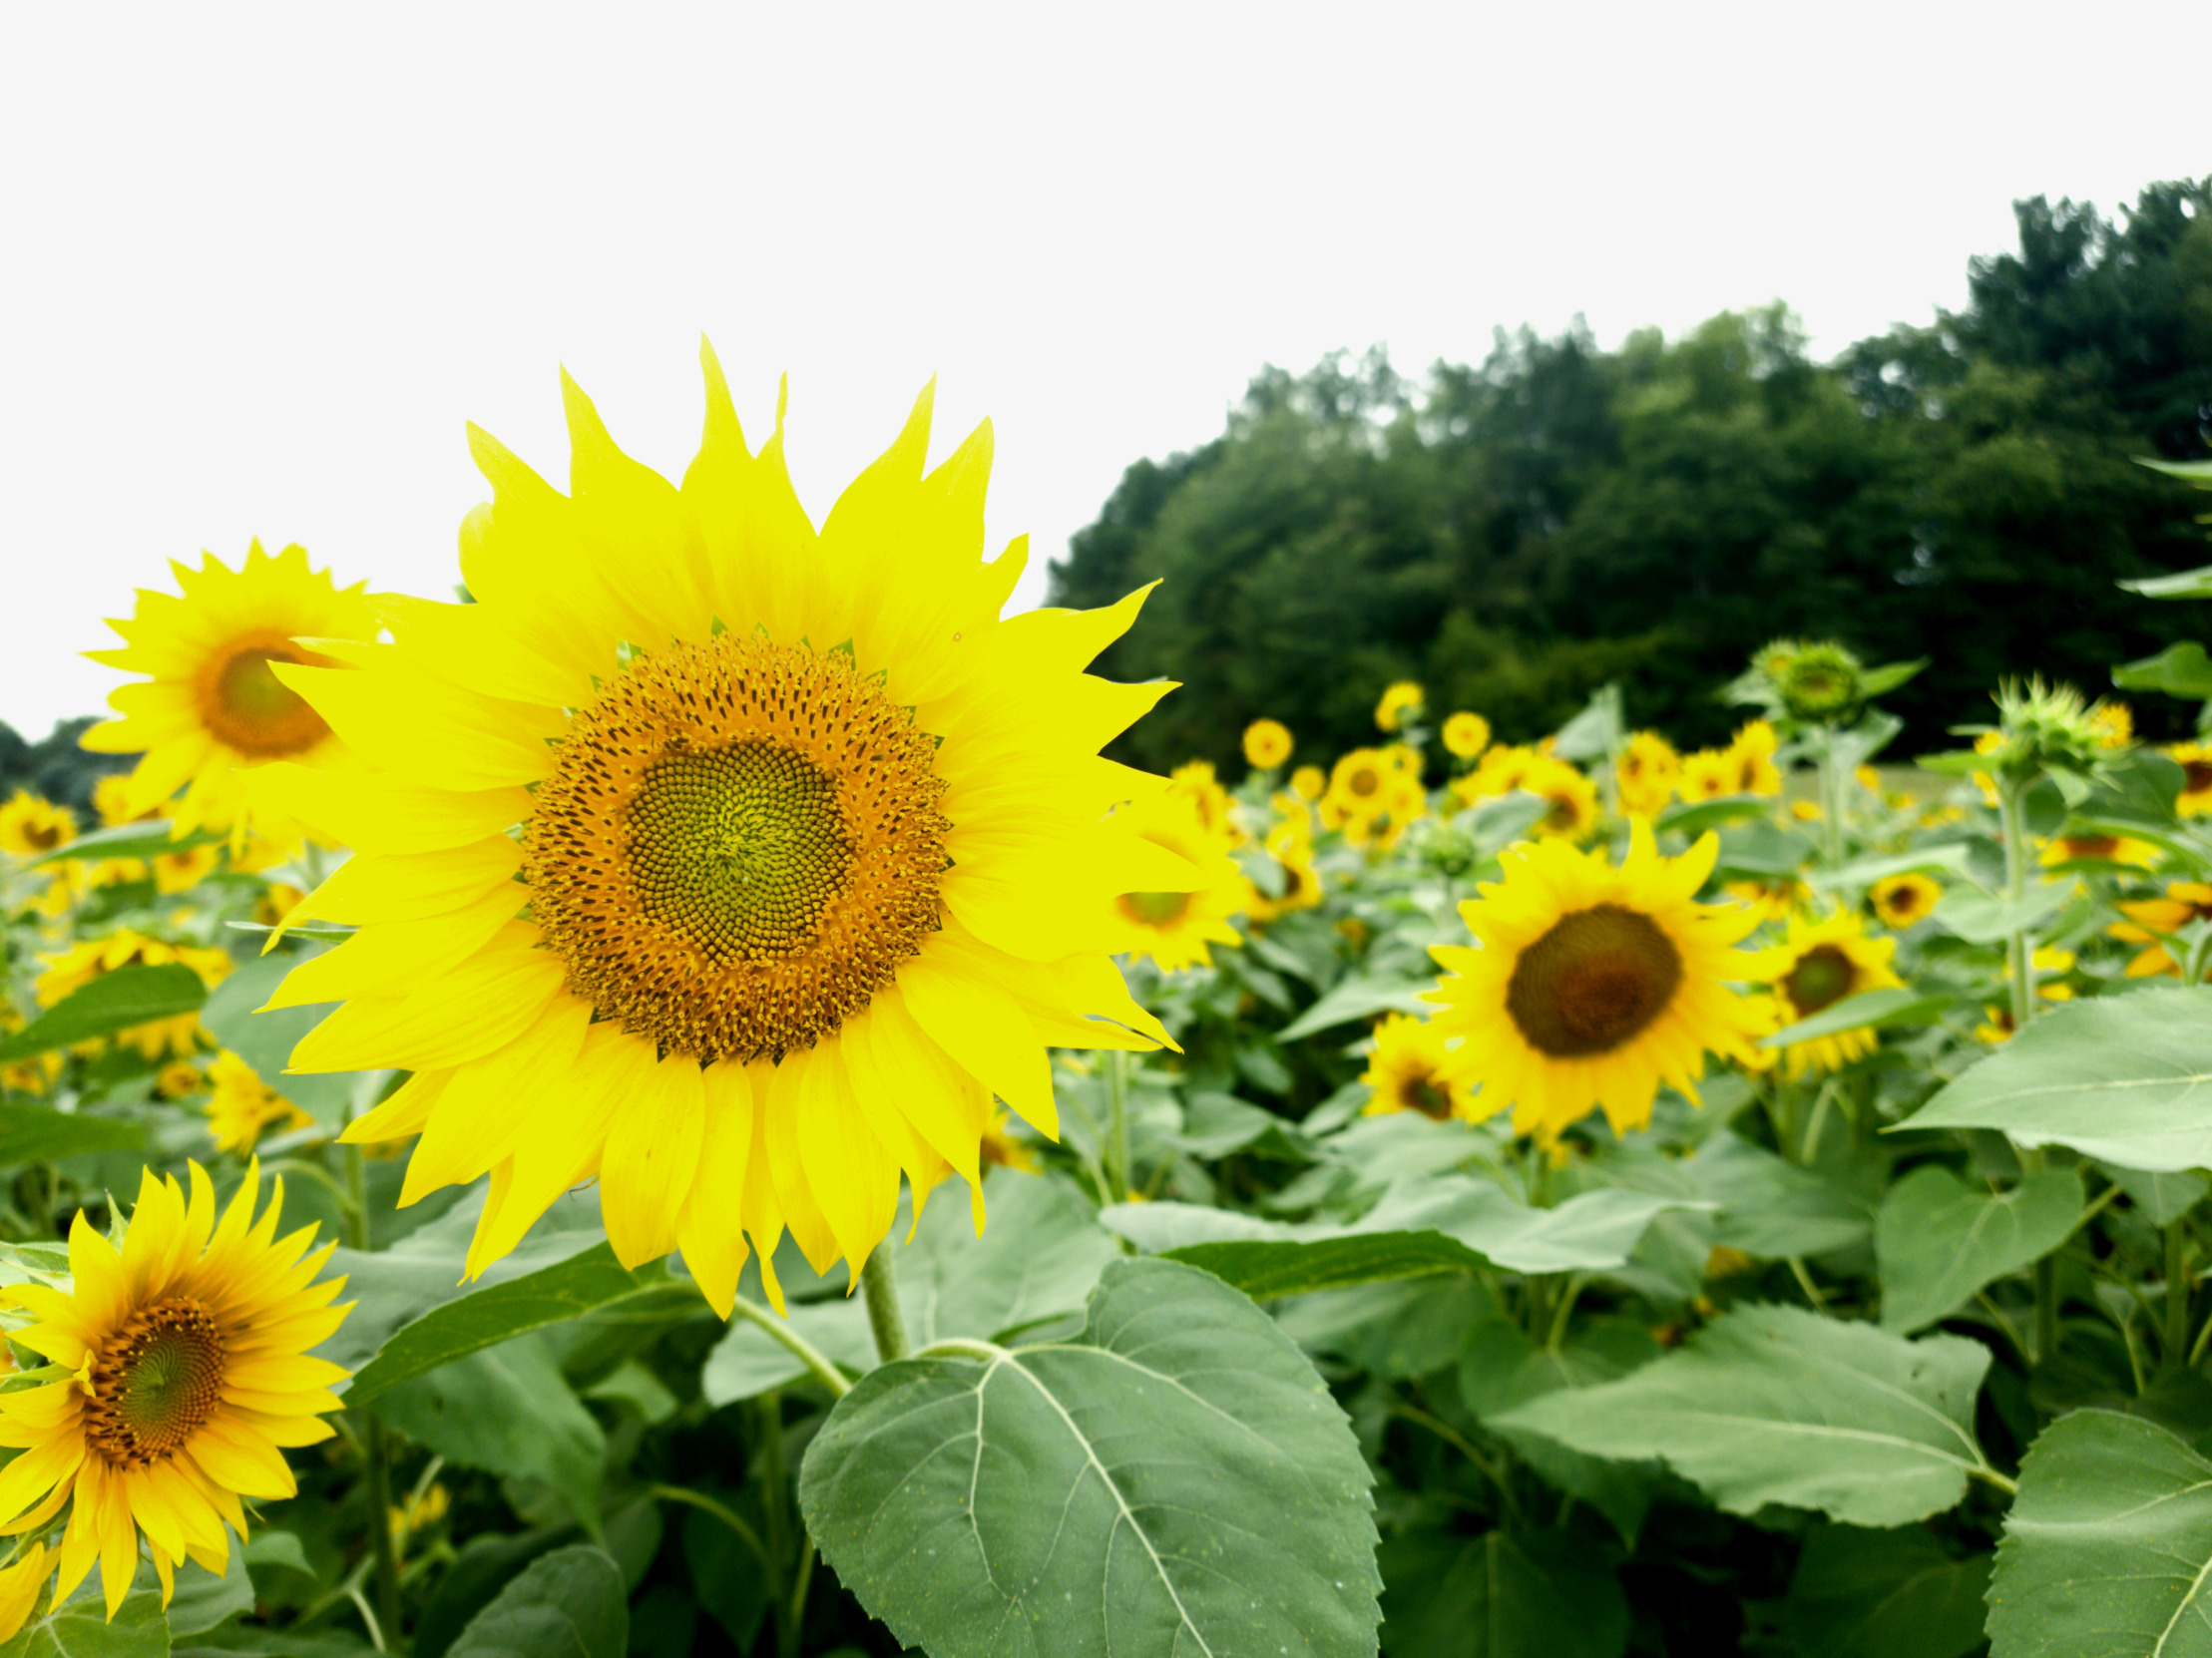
<point x="678" y="1105"/>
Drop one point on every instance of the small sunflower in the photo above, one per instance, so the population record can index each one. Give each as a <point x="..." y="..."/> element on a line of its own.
<point x="1407" y="1071"/>
<point x="1266" y="744"/>
<point x="1466" y="736"/>
<point x="1403" y="699"/>
<point x="1709" y="774"/>
<point x="1290" y="844"/>
<point x="243" y="1107"/>
<point x="1817" y="966"/>
<point x="1646" y="774"/>
<point x="1359" y="789"/>
<point x="1002" y="1147"/>
<point x="33" y="1076"/>
<point x="192" y="1378"/>
<point x="1593" y="984"/>
<point x="1752" y="753"/>
<point x="87" y="959"/>
<point x="1309" y="782"/>
<point x="1774" y="899"/>
<point x="2114" y="725"/>
<point x="1174" y="928"/>
<point x="737" y="863"/>
<point x="180" y="871"/>
<point x="1197" y="783"/>
<point x="1574" y="799"/>
<point x="178" y="1080"/>
<point x="31" y="827"/>
<point x="2195" y="761"/>
<point x="213" y="701"/>
<point x="1902" y="901"/>
<point x="2151" y="920"/>
<point x="111" y="798"/>
<point x="2099" y="849"/>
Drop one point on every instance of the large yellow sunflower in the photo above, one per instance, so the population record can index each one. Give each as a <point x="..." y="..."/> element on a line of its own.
<point x="1590" y="985"/>
<point x="737" y="863"/>
<point x="1174" y="927"/>
<point x="190" y="1377"/>
<point x="1817" y="964"/>
<point x="213" y="701"/>
<point x="1407" y="1071"/>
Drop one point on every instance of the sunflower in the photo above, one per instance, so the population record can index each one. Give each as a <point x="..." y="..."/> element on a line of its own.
<point x="214" y="701"/>
<point x="1266" y="744"/>
<point x="1817" y="966"/>
<point x="1309" y="782"/>
<point x="737" y="863"/>
<point x="1195" y="782"/>
<point x="31" y="827"/>
<point x="1645" y="773"/>
<point x="33" y="1076"/>
<point x="1002" y="1147"/>
<point x="180" y="871"/>
<point x="1593" y="984"/>
<point x="2099" y="849"/>
<point x="2195" y="761"/>
<point x="1574" y="799"/>
<point x="1407" y="1071"/>
<point x="190" y="1347"/>
<point x="1359" y="789"/>
<point x="87" y="959"/>
<point x="2151" y="920"/>
<point x="111" y="798"/>
<point x="1708" y="774"/>
<point x="1904" y="900"/>
<point x="1752" y="753"/>
<point x="1774" y="898"/>
<point x="243" y="1107"/>
<point x="178" y="1078"/>
<point x="1403" y="699"/>
<point x="1174" y="927"/>
<point x="2114" y="725"/>
<point x="1466" y="736"/>
<point x="1290" y="844"/>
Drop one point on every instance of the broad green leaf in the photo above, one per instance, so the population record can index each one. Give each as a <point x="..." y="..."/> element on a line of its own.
<point x="1777" y="1404"/>
<point x="506" y="1410"/>
<point x="36" y="1134"/>
<point x="276" y="1549"/>
<point x="2107" y="1553"/>
<point x="1895" y="1594"/>
<point x="203" y="1599"/>
<point x="1895" y="1005"/>
<point x="265" y="1040"/>
<point x="2181" y="670"/>
<point x="2161" y="1198"/>
<point x="2182" y="584"/>
<point x="1937" y="1239"/>
<point x="1594" y="732"/>
<point x="571" y="1603"/>
<point x="1984" y="918"/>
<point x="1398" y="1330"/>
<point x="1440" y="1223"/>
<point x="80" y="1628"/>
<point x="1034" y="1262"/>
<point x="1177" y="1479"/>
<point x="2126" y="1078"/>
<point x="1360" y="998"/>
<point x="485" y="1564"/>
<point x="130" y="840"/>
<point x="1545" y="1596"/>
<point x="1769" y="1207"/>
<point x="729" y="1578"/>
<point x="1879" y="681"/>
<point x="130" y="995"/>
<point x="587" y="1283"/>
<point x="1864" y="872"/>
<point x="1694" y="817"/>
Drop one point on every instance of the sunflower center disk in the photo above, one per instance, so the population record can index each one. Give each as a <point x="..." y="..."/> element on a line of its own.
<point x="1425" y="1095"/>
<point x="1155" y="909"/>
<point x="1821" y="979"/>
<point x="155" y="1380"/>
<point x="1593" y="982"/>
<point x="249" y="707"/>
<point x="738" y="846"/>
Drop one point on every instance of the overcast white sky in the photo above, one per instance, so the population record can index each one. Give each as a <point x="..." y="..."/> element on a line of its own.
<point x="259" y="264"/>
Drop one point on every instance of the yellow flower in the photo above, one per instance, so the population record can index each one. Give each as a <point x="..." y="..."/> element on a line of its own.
<point x="1290" y="844"/>
<point x="242" y="1105"/>
<point x="1174" y="927"/>
<point x="1399" y="700"/>
<point x="87" y="959"/>
<point x="1499" y="772"/>
<point x="1903" y="900"/>
<point x="1646" y="774"/>
<point x="111" y="798"/>
<point x="1772" y="899"/>
<point x="1407" y="1071"/>
<point x="1866" y="778"/>
<point x="214" y="700"/>
<point x="32" y="1075"/>
<point x="1752" y="752"/>
<point x="1466" y="736"/>
<point x="1709" y="774"/>
<point x="31" y="827"/>
<point x="820" y="862"/>
<point x="420" y="1514"/>
<point x="1001" y="1148"/>
<point x="1266" y="744"/>
<point x="1574" y="799"/>
<point x="176" y="872"/>
<point x="2151" y="918"/>
<point x="1805" y="811"/>
<point x="178" y="1078"/>
<point x="2195" y="761"/>
<point x="2104" y="849"/>
<point x="1195" y="782"/>
<point x="2113" y="723"/>
<point x="1593" y="984"/>
<point x="1309" y="782"/>
<point x="191" y="1376"/>
<point x="1359" y="789"/>
<point x="1817" y="966"/>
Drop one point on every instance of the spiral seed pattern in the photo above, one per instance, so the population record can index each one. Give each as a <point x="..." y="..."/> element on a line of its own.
<point x="155" y="1380"/>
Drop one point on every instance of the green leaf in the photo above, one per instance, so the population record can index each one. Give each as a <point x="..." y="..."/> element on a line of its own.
<point x="591" y="1282"/>
<point x="277" y="1549"/>
<point x="1594" y="732"/>
<point x="507" y="1410"/>
<point x="130" y="840"/>
<point x="1896" y="1593"/>
<point x="265" y="1040"/>
<point x="203" y="1600"/>
<point x="570" y="1603"/>
<point x="1424" y="1224"/>
<point x="2109" y="1548"/>
<point x="1777" y="1404"/>
<point x="1694" y="817"/>
<point x="1399" y="1330"/>
<point x="2162" y="1198"/>
<point x="1950" y="858"/>
<point x="1360" y="998"/>
<point x="1175" y="1478"/>
<point x="1984" y="918"/>
<point x="1498" y="1596"/>
<point x="37" y="1134"/>
<point x="1937" y="1240"/>
<point x="2181" y="670"/>
<point x="81" y="1628"/>
<point x="1769" y="1207"/>
<point x="1034" y="1262"/>
<point x="2126" y="1078"/>
<point x="2182" y="584"/>
<point x="1879" y="681"/>
<point x="130" y="995"/>
<point x="1894" y="1005"/>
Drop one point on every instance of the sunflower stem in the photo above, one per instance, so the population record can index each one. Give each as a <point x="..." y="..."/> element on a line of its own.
<point x="2177" y="1297"/>
<point x="375" y="1444"/>
<point x="886" y="1320"/>
<point x="2018" y="945"/>
<point x="1831" y="801"/>
<point x="1117" y="1106"/>
<point x="823" y="1369"/>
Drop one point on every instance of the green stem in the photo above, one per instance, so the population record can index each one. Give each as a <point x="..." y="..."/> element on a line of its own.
<point x="2176" y="1332"/>
<point x="2046" y="1308"/>
<point x="706" y="1504"/>
<point x="1831" y="803"/>
<point x="774" y="1495"/>
<point x="2019" y="946"/>
<point x="886" y="1320"/>
<point x="1458" y="1442"/>
<point x="375" y="1444"/>
<point x="1567" y="1295"/>
<point x="823" y="1369"/>
<point x="1117" y="1106"/>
